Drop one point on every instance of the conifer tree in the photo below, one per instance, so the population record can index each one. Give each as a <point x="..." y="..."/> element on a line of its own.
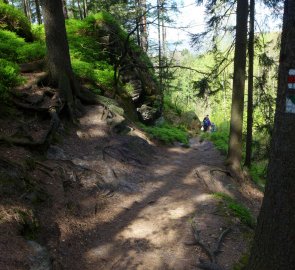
<point x="274" y="236"/>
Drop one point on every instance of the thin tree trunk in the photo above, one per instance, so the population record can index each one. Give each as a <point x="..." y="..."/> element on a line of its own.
<point x="85" y="8"/>
<point x="234" y="157"/>
<point x="38" y="12"/>
<point x="274" y="239"/>
<point x="163" y="29"/>
<point x="80" y="9"/>
<point x="159" y="41"/>
<point x="143" y="26"/>
<point x="27" y="10"/>
<point x="137" y="21"/>
<point x="250" y="86"/>
<point x="65" y="9"/>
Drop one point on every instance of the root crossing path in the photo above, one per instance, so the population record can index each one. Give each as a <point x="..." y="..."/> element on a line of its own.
<point x="141" y="216"/>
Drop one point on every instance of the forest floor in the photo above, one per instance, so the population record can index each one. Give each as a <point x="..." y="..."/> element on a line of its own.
<point x="123" y="202"/>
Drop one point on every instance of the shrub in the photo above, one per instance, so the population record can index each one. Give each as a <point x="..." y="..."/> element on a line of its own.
<point x="14" y="20"/>
<point x="10" y="42"/>
<point x="9" y="77"/>
<point x="219" y="138"/>
<point x="14" y="48"/>
<point x="98" y="72"/>
<point x="83" y="69"/>
<point x="167" y="133"/>
<point x="258" y="173"/>
<point x="31" y="51"/>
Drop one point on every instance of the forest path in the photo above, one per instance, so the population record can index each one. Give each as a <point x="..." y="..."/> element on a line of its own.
<point x="146" y="222"/>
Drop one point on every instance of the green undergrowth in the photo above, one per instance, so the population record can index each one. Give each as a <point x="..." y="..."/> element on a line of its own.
<point x="258" y="173"/>
<point x="219" y="137"/>
<point x="9" y="77"/>
<point x="167" y="133"/>
<point x="96" y="44"/>
<point x="16" y="49"/>
<point x="237" y="209"/>
<point x="14" y="20"/>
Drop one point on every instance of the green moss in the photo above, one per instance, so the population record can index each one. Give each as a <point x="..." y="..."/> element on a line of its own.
<point x="242" y="263"/>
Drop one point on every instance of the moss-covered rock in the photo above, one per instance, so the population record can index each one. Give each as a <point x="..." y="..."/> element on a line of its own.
<point x="135" y="70"/>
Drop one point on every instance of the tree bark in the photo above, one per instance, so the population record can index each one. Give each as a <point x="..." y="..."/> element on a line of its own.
<point x="80" y="9"/>
<point x="58" y="56"/>
<point x="234" y="157"/>
<point x="274" y="240"/>
<point x="250" y="86"/>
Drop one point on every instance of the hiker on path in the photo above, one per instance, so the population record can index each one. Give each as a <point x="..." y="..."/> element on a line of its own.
<point x="206" y="123"/>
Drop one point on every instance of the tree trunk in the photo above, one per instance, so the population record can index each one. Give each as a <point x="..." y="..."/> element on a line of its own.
<point x="143" y="27"/>
<point x="234" y="157"/>
<point x="80" y="9"/>
<point x="250" y="86"/>
<point x="137" y="21"/>
<point x="38" y="12"/>
<point x="163" y="29"/>
<point x="65" y="9"/>
<point x="27" y="9"/>
<point x="58" y="56"/>
<point x="159" y="41"/>
<point x="274" y="240"/>
<point x="85" y="8"/>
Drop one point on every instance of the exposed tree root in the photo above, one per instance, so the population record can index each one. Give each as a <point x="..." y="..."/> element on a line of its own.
<point x="44" y="166"/>
<point x="228" y="173"/>
<point x="38" y="77"/>
<point x="121" y="155"/>
<point x="54" y="123"/>
<point x="203" y="180"/>
<point x="211" y="253"/>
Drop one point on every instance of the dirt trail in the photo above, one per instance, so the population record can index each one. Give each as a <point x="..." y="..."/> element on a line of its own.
<point x="147" y="220"/>
<point x="119" y="202"/>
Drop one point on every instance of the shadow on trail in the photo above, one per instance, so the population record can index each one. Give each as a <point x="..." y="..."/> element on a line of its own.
<point x="135" y="238"/>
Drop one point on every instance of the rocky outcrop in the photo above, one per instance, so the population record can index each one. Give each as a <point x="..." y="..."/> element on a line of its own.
<point x="134" y="69"/>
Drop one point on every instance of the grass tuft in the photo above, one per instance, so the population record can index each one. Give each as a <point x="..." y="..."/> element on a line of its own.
<point x="238" y="210"/>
